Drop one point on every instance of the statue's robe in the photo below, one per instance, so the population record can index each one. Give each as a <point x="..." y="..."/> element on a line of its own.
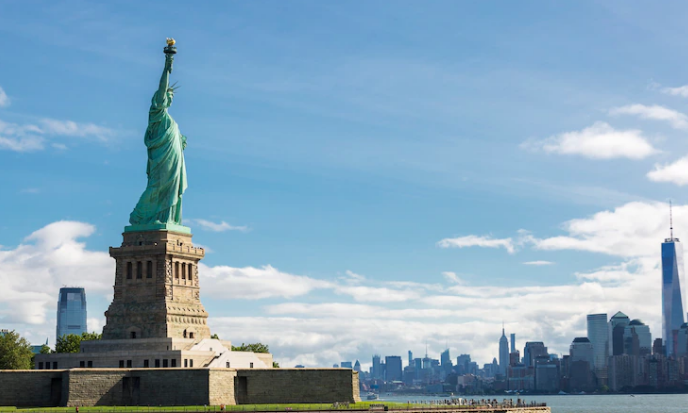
<point x="161" y="202"/>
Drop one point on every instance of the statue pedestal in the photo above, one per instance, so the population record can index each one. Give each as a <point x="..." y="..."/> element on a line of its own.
<point x="157" y="291"/>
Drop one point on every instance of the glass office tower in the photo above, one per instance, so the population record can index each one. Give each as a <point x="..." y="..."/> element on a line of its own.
<point x="71" y="312"/>
<point x="598" y="334"/>
<point x="672" y="298"/>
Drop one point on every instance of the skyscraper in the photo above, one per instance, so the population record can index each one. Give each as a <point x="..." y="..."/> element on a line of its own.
<point x="598" y="334"/>
<point x="644" y="337"/>
<point x="533" y="350"/>
<point x="581" y="364"/>
<point x="513" y="343"/>
<point x="445" y="358"/>
<point x="682" y="348"/>
<point x="617" y="326"/>
<point x="377" y="368"/>
<point x="582" y="349"/>
<point x="393" y="367"/>
<point x="71" y="312"/>
<point x="503" y="353"/>
<point x="672" y="299"/>
<point x="410" y="354"/>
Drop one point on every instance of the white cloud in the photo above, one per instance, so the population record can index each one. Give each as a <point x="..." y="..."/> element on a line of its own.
<point x="31" y="137"/>
<point x="95" y="324"/>
<point x="452" y="277"/>
<point x="655" y="112"/>
<point x="676" y="172"/>
<point x="538" y="263"/>
<point x="49" y="258"/>
<point x="23" y="144"/>
<point x="4" y="99"/>
<point x="352" y="278"/>
<point x="676" y="91"/>
<point x="477" y="241"/>
<point x="599" y="141"/>
<point x="255" y="283"/>
<point x="631" y="230"/>
<point x="73" y="129"/>
<point x="377" y="294"/>
<point x="211" y="226"/>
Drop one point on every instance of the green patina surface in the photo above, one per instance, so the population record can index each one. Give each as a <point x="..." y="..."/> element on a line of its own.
<point x="158" y="227"/>
<point x="160" y="205"/>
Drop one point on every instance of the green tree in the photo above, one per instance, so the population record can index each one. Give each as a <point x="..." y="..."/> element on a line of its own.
<point x="215" y="336"/>
<point x="15" y="352"/>
<point x="275" y="365"/>
<point x="71" y="343"/>
<point x="255" y="348"/>
<point x="91" y="336"/>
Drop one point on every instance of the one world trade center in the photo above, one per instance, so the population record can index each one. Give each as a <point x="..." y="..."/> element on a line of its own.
<point x="672" y="299"/>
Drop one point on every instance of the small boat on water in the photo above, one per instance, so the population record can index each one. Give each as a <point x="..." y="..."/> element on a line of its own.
<point x="372" y="396"/>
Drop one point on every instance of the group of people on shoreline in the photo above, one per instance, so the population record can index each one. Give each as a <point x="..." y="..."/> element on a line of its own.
<point x="457" y="401"/>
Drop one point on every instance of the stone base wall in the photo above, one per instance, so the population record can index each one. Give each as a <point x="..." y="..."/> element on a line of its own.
<point x="296" y="386"/>
<point x="31" y="388"/>
<point x="175" y="387"/>
<point x="94" y="387"/>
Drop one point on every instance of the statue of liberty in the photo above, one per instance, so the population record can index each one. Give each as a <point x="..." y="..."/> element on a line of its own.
<point x="160" y="205"/>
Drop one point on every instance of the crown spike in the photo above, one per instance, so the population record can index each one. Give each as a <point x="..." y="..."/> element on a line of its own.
<point x="671" y="221"/>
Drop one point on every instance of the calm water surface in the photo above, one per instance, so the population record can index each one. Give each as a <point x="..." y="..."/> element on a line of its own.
<point x="641" y="403"/>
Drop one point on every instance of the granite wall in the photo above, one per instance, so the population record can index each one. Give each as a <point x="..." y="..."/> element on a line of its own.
<point x="170" y="387"/>
<point x="109" y="387"/>
<point x="31" y="387"/>
<point x="296" y="386"/>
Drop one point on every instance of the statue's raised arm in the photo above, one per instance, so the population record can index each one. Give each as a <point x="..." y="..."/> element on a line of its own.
<point x="160" y="205"/>
<point x="164" y="91"/>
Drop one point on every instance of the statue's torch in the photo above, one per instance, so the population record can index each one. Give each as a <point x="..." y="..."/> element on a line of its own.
<point x="170" y="49"/>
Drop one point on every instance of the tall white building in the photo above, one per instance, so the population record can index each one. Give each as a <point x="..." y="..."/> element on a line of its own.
<point x="503" y="353"/>
<point x="598" y="334"/>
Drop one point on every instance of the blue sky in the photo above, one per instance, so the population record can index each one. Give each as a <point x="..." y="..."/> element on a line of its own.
<point x="387" y="168"/>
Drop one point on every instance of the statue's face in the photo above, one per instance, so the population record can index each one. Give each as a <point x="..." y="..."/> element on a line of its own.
<point x="170" y="97"/>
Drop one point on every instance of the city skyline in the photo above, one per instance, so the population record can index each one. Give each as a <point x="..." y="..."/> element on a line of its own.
<point x="366" y="179"/>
